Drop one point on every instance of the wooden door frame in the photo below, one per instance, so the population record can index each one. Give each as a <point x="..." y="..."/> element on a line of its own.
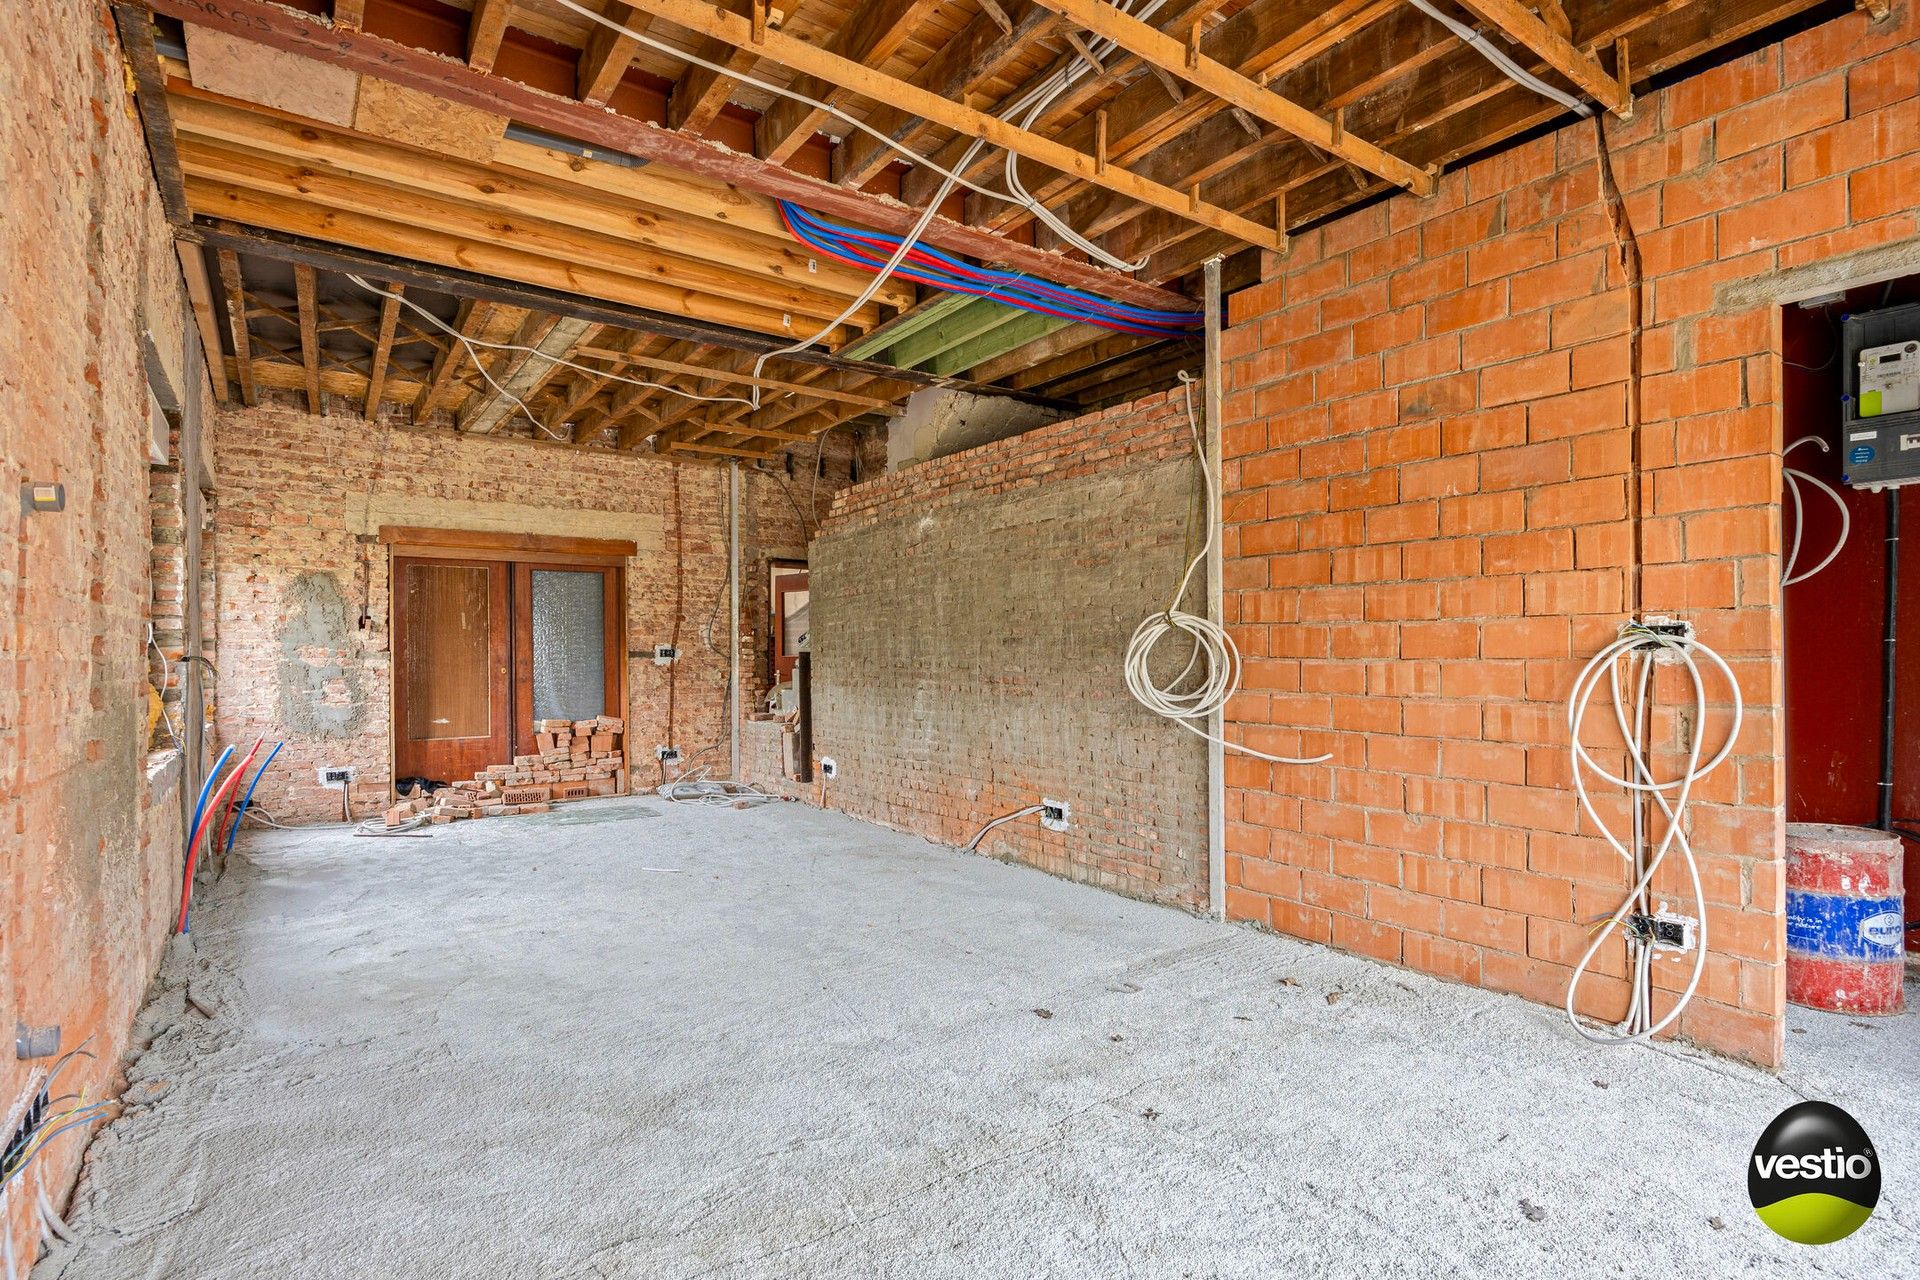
<point x="776" y="625"/>
<point x="511" y="551"/>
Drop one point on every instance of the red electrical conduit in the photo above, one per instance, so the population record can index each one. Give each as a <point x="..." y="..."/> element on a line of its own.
<point x="199" y="832"/>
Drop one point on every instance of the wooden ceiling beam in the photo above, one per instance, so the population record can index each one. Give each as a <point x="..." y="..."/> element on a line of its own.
<point x="486" y="28"/>
<point x="870" y="35"/>
<point x="193" y="269"/>
<point x="1522" y="27"/>
<point x="695" y="15"/>
<point x="1266" y="39"/>
<point x="303" y="284"/>
<point x="981" y="51"/>
<point x="280" y="28"/>
<point x="700" y="92"/>
<point x="461" y="282"/>
<point x="469" y="319"/>
<point x="736" y="377"/>
<point x="237" y="326"/>
<point x="382" y="351"/>
<point x="1190" y="63"/>
<point x="607" y="55"/>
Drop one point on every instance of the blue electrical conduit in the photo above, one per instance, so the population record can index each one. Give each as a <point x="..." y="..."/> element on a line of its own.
<point x="247" y="799"/>
<point x="206" y="789"/>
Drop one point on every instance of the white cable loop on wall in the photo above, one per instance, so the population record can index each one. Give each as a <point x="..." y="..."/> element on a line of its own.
<point x="1793" y="477"/>
<point x="1214" y="655"/>
<point x="1642" y="650"/>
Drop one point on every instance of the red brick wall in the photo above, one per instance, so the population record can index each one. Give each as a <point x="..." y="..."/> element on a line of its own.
<point x="295" y="573"/>
<point x="969" y="619"/>
<point x="1430" y="508"/>
<point x="90" y="856"/>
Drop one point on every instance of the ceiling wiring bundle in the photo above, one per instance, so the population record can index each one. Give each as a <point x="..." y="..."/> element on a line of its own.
<point x="1628" y="667"/>
<point x="926" y="266"/>
<point x="1794" y="478"/>
<point x="1212" y="674"/>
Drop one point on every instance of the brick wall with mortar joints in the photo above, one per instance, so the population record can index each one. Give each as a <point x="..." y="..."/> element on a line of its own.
<point x="969" y="618"/>
<point x="1429" y="519"/>
<point x="92" y="844"/>
<point x="293" y="579"/>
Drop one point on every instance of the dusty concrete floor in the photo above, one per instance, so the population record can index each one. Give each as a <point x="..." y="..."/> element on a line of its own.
<point x="818" y="1050"/>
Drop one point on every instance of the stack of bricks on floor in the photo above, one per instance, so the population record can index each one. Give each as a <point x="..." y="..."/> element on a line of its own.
<point x="574" y="759"/>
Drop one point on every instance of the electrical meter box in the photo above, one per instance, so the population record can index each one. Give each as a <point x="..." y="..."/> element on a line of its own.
<point x="1880" y="407"/>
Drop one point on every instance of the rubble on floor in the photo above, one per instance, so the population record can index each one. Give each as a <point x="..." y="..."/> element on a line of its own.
<point x="573" y="760"/>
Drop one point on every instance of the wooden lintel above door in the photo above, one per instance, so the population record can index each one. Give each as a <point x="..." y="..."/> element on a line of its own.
<point x="412" y="540"/>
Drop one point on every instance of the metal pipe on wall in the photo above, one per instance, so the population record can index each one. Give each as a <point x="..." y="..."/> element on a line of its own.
<point x="1216" y="610"/>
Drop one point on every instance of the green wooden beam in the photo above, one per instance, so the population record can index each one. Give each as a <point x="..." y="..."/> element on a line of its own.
<point x="905" y="325"/>
<point x="978" y="316"/>
<point x="1015" y="330"/>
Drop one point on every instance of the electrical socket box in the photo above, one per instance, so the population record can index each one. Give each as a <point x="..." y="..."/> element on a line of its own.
<point x="1054" y="814"/>
<point x="1673" y="629"/>
<point x="829" y="767"/>
<point x="664" y="655"/>
<point x="667" y="755"/>
<point x="1880" y="401"/>
<point x="1664" y="930"/>
<point x="336" y="776"/>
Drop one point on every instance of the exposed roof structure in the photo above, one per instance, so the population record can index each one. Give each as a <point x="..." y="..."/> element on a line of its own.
<point x="534" y="177"/>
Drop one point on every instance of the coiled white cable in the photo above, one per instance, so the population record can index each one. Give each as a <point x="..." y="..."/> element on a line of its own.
<point x="1214" y="656"/>
<point x="1643" y="648"/>
<point x="1793" y="476"/>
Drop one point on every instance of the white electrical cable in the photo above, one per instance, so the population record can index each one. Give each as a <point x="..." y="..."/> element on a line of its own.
<point x="1215" y="656"/>
<point x="1004" y="818"/>
<point x="166" y="678"/>
<point x="1513" y="70"/>
<point x="1793" y="476"/>
<point x="1643" y="648"/>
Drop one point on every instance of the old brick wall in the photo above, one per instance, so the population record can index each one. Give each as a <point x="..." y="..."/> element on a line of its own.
<point x="1431" y="514"/>
<point x="303" y="581"/>
<point x="969" y="617"/>
<point x="92" y="843"/>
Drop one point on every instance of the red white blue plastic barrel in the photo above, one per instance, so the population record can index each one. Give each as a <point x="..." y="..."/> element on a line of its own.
<point x="1846" y="927"/>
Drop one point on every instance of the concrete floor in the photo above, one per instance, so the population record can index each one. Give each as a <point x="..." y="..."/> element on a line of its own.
<point x="624" y="1040"/>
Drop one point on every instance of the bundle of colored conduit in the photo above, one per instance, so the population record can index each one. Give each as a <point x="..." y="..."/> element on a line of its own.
<point x="222" y="807"/>
<point x="870" y="250"/>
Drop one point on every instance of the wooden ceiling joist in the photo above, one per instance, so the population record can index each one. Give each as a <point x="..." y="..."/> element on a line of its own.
<point x="1190" y="63"/>
<point x="607" y="55"/>
<point x="309" y="335"/>
<point x="280" y="28"/>
<point x="1556" y="49"/>
<point x="382" y="350"/>
<point x="875" y="86"/>
<point x="236" y="297"/>
<point x="868" y="37"/>
<point x="485" y="30"/>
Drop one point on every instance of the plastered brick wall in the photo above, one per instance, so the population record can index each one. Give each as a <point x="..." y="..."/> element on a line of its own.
<point x="969" y="617"/>
<point x="1430" y="516"/>
<point x="89" y="860"/>
<point x="305" y="637"/>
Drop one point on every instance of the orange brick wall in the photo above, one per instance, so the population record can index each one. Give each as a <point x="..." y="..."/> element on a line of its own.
<point x="294" y="577"/>
<point x="1430" y="516"/>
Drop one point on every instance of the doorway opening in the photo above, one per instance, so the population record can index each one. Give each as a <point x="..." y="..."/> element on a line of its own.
<point x="487" y="646"/>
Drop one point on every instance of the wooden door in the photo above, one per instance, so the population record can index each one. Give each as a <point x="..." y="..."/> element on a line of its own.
<point x="568" y="645"/>
<point x="790" y="618"/>
<point x="452" y="714"/>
